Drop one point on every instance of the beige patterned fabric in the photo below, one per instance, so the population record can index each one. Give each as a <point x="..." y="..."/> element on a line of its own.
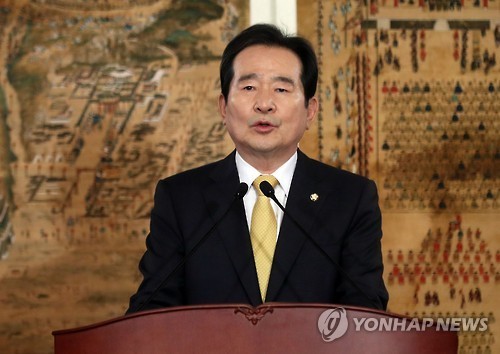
<point x="263" y="233"/>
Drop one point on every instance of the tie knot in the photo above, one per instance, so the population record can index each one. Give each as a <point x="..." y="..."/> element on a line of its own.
<point x="268" y="178"/>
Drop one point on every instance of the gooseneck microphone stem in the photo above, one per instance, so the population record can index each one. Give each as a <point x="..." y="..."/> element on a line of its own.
<point x="240" y="193"/>
<point x="268" y="190"/>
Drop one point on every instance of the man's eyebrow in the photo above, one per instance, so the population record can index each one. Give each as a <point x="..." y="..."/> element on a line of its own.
<point x="284" y="79"/>
<point x="247" y="77"/>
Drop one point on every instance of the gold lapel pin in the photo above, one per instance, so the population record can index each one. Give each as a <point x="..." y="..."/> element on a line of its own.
<point x="314" y="197"/>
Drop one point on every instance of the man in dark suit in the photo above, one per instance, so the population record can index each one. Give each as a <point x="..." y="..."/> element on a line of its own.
<point x="268" y="82"/>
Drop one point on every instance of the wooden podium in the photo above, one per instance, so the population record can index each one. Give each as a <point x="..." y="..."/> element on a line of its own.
<point x="269" y="328"/>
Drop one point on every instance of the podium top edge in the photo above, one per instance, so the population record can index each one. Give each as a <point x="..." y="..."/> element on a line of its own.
<point x="267" y="305"/>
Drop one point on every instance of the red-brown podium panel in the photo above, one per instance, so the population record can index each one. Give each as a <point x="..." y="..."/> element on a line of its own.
<point x="270" y="328"/>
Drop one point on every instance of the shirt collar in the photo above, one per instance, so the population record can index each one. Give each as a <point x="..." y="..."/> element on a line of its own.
<point x="283" y="174"/>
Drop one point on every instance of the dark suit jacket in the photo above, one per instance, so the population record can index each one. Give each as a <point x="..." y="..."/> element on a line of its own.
<point x="345" y="221"/>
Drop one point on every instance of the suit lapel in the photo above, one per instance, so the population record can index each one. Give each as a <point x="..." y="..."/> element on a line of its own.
<point x="233" y="229"/>
<point x="300" y="206"/>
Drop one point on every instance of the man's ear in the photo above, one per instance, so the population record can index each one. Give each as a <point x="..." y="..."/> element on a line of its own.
<point x="222" y="107"/>
<point x="312" y="109"/>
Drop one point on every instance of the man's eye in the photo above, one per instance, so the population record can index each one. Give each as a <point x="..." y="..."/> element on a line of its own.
<point x="281" y="90"/>
<point x="248" y="88"/>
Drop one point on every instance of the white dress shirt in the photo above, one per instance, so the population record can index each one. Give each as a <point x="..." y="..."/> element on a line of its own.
<point x="283" y="174"/>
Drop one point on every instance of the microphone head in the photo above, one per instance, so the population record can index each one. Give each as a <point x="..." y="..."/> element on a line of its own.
<point x="266" y="189"/>
<point x="241" y="191"/>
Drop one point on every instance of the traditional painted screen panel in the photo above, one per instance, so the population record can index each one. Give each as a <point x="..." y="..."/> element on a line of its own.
<point x="410" y="94"/>
<point x="98" y="101"/>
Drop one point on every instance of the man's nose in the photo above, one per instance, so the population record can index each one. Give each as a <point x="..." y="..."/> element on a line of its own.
<point x="264" y="102"/>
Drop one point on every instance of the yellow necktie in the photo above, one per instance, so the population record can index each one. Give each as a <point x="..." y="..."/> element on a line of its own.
<point x="263" y="233"/>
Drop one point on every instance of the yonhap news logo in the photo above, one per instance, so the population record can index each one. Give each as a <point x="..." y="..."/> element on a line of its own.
<point x="333" y="324"/>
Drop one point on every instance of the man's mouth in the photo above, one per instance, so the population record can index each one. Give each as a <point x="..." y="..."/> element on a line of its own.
<point x="268" y="123"/>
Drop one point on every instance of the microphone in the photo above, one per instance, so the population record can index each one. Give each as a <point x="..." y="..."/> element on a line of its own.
<point x="240" y="193"/>
<point x="268" y="190"/>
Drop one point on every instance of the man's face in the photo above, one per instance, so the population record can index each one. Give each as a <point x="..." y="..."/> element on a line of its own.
<point x="265" y="112"/>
